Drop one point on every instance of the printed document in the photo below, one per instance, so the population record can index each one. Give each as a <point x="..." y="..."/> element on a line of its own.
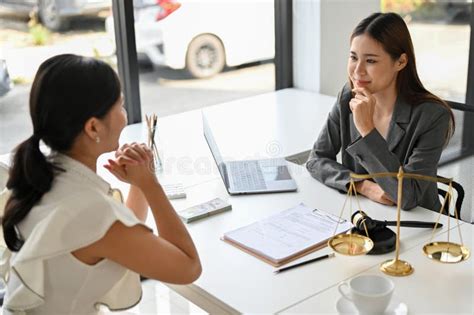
<point x="288" y="233"/>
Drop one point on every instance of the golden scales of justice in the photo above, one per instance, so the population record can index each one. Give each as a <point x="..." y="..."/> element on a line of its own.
<point x="355" y="244"/>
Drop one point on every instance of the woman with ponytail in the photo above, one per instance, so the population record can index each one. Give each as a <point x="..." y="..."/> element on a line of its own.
<point x="383" y="119"/>
<point x="74" y="246"/>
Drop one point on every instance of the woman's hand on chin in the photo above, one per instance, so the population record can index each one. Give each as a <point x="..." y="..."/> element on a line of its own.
<point x="362" y="106"/>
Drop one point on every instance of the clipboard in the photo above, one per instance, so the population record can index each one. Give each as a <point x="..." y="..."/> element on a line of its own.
<point x="301" y="229"/>
<point x="282" y="262"/>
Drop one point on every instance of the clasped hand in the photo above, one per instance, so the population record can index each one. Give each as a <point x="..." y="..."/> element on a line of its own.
<point x="133" y="164"/>
<point x="362" y="106"/>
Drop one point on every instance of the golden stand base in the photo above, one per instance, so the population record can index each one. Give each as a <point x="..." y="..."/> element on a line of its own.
<point x="397" y="268"/>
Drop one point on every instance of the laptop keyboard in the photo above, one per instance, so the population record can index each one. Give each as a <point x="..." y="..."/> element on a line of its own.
<point x="247" y="175"/>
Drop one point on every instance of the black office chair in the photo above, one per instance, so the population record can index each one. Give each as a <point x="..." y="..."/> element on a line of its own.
<point x="459" y="199"/>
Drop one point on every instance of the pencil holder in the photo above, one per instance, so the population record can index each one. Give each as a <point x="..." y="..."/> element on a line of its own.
<point x="152" y="142"/>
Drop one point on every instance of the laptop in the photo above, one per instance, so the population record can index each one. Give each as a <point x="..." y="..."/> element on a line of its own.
<point x="250" y="176"/>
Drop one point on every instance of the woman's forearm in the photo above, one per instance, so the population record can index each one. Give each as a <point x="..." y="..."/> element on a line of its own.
<point x="168" y="223"/>
<point x="137" y="202"/>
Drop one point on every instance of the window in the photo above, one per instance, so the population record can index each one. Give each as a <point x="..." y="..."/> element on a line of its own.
<point x="197" y="53"/>
<point x="441" y="34"/>
<point x="29" y="37"/>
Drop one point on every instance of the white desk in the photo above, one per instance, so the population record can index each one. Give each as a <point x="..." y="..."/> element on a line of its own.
<point x="183" y="149"/>
<point x="434" y="288"/>
<point x="235" y="282"/>
<point x="278" y="124"/>
<point x="287" y="121"/>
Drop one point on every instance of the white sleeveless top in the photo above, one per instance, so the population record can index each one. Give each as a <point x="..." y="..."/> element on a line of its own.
<point x="45" y="278"/>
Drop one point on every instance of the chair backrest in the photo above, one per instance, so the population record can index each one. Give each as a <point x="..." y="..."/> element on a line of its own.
<point x="462" y="139"/>
<point x="459" y="198"/>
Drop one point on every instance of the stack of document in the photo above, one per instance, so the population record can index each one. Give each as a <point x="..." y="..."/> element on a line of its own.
<point x="288" y="235"/>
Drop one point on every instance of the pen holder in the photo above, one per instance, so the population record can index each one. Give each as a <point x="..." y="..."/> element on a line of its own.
<point x="158" y="164"/>
<point x="152" y="143"/>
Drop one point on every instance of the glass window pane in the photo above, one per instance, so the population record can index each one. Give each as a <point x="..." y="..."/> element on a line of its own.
<point x="27" y="41"/>
<point x="440" y="32"/>
<point x="195" y="53"/>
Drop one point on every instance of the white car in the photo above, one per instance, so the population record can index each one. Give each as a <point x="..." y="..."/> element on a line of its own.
<point x="56" y="14"/>
<point x="203" y="36"/>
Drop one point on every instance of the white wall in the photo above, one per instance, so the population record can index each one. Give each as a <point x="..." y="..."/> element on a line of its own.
<point x="321" y="31"/>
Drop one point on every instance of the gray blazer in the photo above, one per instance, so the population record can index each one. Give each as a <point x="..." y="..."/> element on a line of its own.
<point x="415" y="139"/>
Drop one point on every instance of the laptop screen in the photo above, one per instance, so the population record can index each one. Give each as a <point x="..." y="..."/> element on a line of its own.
<point x="212" y="144"/>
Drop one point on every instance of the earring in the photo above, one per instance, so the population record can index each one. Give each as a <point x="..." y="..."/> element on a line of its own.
<point x="97" y="140"/>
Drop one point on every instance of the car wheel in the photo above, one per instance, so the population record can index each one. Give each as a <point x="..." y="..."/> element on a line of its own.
<point x="49" y="15"/>
<point x="205" y="56"/>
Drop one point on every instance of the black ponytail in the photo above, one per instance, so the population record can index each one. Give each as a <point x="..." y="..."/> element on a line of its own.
<point x="67" y="91"/>
<point x="31" y="175"/>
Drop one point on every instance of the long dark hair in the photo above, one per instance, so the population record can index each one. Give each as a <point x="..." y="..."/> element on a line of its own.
<point x="390" y="30"/>
<point x="67" y="91"/>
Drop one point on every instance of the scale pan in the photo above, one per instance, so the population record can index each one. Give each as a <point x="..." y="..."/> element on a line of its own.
<point x="446" y="252"/>
<point x="351" y="244"/>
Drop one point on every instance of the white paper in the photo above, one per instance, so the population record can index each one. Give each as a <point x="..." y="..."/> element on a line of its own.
<point x="289" y="232"/>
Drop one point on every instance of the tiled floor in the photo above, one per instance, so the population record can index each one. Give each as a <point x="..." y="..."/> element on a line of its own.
<point x="159" y="299"/>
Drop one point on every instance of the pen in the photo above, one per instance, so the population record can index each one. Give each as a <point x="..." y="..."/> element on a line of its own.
<point x="305" y="262"/>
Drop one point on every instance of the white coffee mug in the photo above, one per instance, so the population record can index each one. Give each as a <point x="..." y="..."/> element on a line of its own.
<point x="370" y="294"/>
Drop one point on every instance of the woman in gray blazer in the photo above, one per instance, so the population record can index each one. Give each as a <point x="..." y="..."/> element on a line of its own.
<point x="383" y="119"/>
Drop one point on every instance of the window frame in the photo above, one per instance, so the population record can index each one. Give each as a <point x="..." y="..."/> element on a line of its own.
<point x="467" y="140"/>
<point x="127" y="54"/>
<point x="124" y="26"/>
<point x="283" y="44"/>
